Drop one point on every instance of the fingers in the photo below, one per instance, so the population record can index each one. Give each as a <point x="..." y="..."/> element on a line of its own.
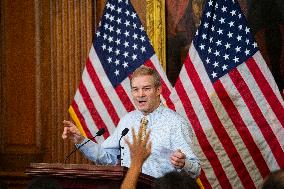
<point x="65" y="133"/>
<point x="138" y="139"/>
<point x="147" y="135"/>
<point x="126" y="140"/>
<point x="149" y="147"/>
<point x="178" y="165"/>
<point x="178" y="153"/>
<point x="133" y="136"/>
<point x="140" y="149"/>
<point x="68" y="124"/>
<point x="146" y="140"/>
<point x="71" y="131"/>
<point x="140" y="133"/>
<point x="147" y="143"/>
<point x="178" y="159"/>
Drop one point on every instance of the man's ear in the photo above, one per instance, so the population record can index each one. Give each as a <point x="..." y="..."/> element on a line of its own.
<point x="159" y="90"/>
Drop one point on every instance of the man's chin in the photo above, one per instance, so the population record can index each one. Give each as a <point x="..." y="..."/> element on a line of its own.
<point x="142" y="109"/>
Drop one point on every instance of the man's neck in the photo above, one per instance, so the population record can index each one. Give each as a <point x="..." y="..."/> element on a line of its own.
<point x="154" y="109"/>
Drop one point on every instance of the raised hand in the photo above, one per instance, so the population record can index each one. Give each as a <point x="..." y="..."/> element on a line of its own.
<point x="72" y="132"/>
<point x="140" y="149"/>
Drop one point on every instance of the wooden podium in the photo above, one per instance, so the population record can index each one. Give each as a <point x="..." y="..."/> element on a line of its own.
<point x="84" y="176"/>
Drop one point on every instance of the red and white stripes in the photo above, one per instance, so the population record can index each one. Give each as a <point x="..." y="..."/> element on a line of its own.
<point x="97" y="104"/>
<point x="237" y="121"/>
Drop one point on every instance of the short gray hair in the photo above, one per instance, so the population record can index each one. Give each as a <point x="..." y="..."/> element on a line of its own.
<point x="143" y="71"/>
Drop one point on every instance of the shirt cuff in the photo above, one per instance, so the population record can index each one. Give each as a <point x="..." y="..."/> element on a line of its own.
<point x="192" y="168"/>
<point x="187" y="165"/>
<point x="78" y="145"/>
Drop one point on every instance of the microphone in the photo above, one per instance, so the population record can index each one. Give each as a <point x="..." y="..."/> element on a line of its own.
<point x="99" y="133"/>
<point x="123" y="133"/>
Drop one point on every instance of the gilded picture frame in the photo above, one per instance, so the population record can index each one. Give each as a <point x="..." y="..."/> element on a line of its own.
<point x="268" y="30"/>
<point x="156" y="27"/>
<point x="166" y="22"/>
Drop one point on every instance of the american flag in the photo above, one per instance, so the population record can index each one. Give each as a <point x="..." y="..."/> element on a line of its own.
<point x="227" y="92"/>
<point x="120" y="46"/>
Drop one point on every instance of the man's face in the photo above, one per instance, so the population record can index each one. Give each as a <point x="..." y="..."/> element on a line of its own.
<point x="145" y="95"/>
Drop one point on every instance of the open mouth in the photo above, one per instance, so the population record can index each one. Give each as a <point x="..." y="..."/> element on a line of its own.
<point x="142" y="102"/>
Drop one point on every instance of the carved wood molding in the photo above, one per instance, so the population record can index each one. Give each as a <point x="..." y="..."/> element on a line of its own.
<point x="156" y="30"/>
<point x="106" y="173"/>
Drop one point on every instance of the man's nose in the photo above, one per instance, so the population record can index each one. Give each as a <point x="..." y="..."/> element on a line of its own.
<point x="141" y="93"/>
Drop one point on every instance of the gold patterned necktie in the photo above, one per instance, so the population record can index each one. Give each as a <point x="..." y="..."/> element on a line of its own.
<point x="143" y="124"/>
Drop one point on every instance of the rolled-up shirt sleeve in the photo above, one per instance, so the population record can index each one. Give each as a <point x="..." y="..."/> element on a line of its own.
<point x="181" y="139"/>
<point x="105" y="153"/>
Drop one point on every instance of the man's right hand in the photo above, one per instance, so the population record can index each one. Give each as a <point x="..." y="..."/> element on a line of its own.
<point x="72" y="132"/>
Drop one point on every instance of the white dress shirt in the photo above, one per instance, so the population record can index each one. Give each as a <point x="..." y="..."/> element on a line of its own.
<point x="169" y="132"/>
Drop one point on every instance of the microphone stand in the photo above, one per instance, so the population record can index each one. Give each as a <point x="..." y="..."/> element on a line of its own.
<point x="123" y="133"/>
<point x="99" y="133"/>
<point x="119" y="147"/>
<point x="78" y="149"/>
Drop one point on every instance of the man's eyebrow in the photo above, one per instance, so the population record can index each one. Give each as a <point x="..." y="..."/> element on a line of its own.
<point x="147" y="86"/>
<point x="142" y="86"/>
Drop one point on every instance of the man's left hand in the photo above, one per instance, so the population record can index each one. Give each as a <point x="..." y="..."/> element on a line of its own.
<point x="178" y="159"/>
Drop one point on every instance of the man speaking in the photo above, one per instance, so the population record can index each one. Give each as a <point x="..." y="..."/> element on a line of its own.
<point x="170" y="133"/>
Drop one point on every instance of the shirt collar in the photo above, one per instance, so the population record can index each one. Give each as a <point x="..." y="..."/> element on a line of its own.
<point x="153" y="114"/>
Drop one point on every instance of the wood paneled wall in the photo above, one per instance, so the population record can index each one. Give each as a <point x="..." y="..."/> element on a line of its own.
<point x="19" y="67"/>
<point x="71" y="37"/>
<point x="43" y="48"/>
<point x="44" y="45"/>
